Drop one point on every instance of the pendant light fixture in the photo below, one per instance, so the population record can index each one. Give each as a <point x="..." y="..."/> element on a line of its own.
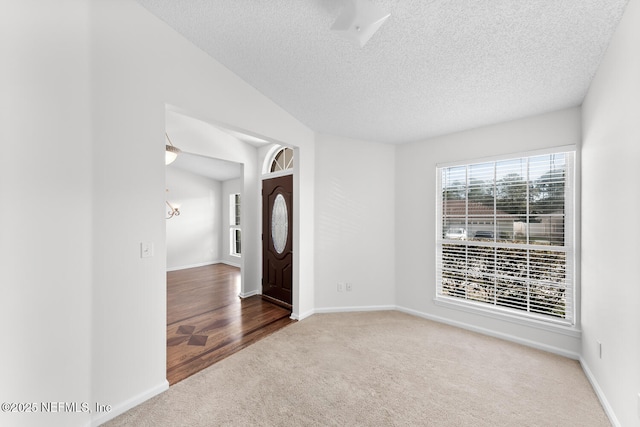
<point x="174" y="210"/>
<point x="171" y="152"/>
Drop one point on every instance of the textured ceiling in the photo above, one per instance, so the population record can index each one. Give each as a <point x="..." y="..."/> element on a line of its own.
<point x="434" y="67"/>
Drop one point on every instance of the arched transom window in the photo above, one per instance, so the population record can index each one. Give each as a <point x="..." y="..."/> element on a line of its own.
<point x="283" y="160"/>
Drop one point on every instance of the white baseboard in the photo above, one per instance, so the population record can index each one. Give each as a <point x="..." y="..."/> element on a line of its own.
<point x="603" y="399"/>
<point x="248" y="294"/>
<point x="296" y="316"/>
<point x="484" y="331"/>
<point x="200" y="264"/>
<point x="128" y="404"/>
<point x="355" y="309"/>
<point x="232" y="264"/>
<point x="352" y="309"/>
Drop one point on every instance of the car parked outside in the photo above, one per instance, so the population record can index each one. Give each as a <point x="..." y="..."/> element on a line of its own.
<point x="480" y="234"/>
<point x="456" y="234"/>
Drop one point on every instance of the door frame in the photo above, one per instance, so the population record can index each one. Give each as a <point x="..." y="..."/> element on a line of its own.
<point x="266" y="160"/>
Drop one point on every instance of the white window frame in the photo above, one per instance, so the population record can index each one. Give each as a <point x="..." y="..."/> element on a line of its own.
<point x="234" y="224"/>
<point x="566" y="325"/>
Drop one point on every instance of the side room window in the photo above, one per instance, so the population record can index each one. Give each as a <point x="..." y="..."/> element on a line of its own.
<point x="505" y="236"/>
<point x="235" y="233"/>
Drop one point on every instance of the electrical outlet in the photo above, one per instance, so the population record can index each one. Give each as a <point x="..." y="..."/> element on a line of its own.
<point x="348" y="287"/>
<point x="638" y="405"/>
<point x="340" y="286"/>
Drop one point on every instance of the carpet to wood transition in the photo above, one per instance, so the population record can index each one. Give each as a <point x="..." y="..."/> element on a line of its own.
<point x="378" y="369"/>
<point x="206" y="321"/>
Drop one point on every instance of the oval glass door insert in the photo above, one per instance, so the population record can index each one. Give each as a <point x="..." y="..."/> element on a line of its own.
<point x="279" y="224"/>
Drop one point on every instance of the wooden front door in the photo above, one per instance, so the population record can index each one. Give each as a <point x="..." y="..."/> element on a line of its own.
<point x="277" y="239"/>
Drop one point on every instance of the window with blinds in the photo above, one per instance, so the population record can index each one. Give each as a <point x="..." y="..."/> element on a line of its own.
<point x="505" y="236"/>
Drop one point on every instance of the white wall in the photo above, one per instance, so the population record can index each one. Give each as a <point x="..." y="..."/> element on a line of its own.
<point x="232" y="186"/>
<point x="45" y="183"/>
<point x="415" y="216"/>
<point x="610" y="178"/>
<point x="355" y="218"/>
<point x="139" y="65"/>
<point x="194" y="238"/>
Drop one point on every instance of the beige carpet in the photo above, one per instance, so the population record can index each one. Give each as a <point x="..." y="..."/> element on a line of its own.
<point x="378" y="369"/>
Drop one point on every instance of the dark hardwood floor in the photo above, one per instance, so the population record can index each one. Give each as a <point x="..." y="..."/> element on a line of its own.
<point x="207" y="321"/>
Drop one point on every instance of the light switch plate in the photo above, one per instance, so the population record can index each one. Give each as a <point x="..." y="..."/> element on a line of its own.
<point x="146" y="249"/>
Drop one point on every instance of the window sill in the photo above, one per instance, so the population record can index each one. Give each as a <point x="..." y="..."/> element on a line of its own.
<point x="506" y="315"/>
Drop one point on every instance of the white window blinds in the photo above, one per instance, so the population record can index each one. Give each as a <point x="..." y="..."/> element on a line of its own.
<point x="505" y="236"/>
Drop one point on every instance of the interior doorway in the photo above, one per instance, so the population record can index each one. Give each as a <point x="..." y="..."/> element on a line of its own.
<point x="215" y="308"/>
